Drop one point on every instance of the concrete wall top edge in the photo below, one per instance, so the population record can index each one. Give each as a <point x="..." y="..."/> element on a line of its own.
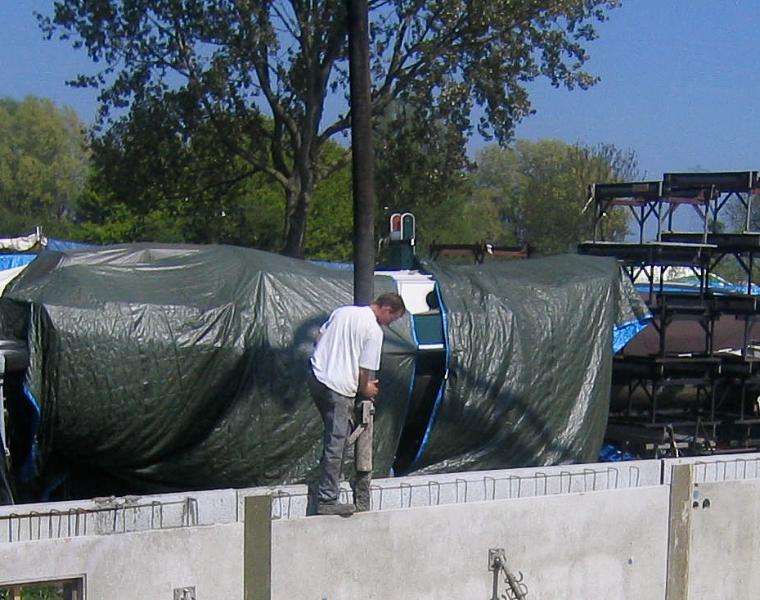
<point x="204" y="497"/>
<point x="106" y="516"/>
<point x="477" y="486"/>
<point x="226" y="505"/>
<point x="717" y="468"/>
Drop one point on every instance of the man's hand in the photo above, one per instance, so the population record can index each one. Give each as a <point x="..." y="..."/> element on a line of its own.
<point x="371" y="389"/>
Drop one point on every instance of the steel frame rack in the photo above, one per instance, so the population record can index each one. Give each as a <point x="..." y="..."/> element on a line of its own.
<point x="643" y="199"/>
<point x="744" y="247"/>
<point x="709" y="193"/>
<point x="743" y="372"/>
<point x="651" y="260"/>
<point x="653" y="375"/>
<point x="706" y="193"/>
<point x="708" y="372"/>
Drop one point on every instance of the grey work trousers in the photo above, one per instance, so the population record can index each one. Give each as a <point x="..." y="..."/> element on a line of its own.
<point x="337" y="413"/>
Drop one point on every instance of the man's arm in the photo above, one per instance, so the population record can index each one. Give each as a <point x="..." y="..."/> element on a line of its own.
<point x="367" y="384"/>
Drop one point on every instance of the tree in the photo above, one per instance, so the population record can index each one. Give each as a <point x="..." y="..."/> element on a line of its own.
<point x="541" y="189"/>
<point x="159" y="182"/>
<point x="43" y="165"/>
<point x="331" y="219"/>
<point x="150" y="183"/>
<point x="421" y="163"/>
<point x="259" y="62"/>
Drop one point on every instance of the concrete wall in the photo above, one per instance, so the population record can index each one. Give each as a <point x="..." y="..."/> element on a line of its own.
<point x="143" y="565"/>
<point x="580" y="531"/>
<point x="563" y="545"/>
<point x="725" y="541"/>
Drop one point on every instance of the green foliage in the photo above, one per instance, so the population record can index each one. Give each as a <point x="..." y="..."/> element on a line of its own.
<point x="153" y="180"/>
<point x="253" y="77"/>
<point x="35" y="592"/>
<point x="43" y="165"/>
<point x="151" y="183"/>
<point x="460" y="220"/>
<point x="422" y="168"/>
<point x="419" y="162"/>
<point x="541" y="187"/>
<point x="330" y="231"/>
<point x="251" y="216"/>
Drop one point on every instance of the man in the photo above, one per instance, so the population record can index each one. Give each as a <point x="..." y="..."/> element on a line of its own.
<point x="343" y="364"/>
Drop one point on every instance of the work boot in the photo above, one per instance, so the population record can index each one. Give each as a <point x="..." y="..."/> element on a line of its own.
<point x="334" y="508"/>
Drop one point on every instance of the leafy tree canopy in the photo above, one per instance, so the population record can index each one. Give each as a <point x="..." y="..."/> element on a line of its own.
<point x="420" y="162"/>
<point x="43" y="165"/>
<point x="150" y="183"/>
<point x="541" y="189"/>
<point x="276" y="62"/>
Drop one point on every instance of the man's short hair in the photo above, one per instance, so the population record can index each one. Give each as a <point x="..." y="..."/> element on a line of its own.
<point x="392" y="300"/>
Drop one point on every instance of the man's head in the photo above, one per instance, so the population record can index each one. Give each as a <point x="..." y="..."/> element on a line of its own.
<point x="388" y="307"/>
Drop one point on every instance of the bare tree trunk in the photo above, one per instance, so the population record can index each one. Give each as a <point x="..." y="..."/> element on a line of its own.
<point x="296" y="213"/>
<point x="298" y="202"/>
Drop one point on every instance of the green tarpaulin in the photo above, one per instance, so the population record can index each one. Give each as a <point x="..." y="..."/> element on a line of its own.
<point x="180" y="367"/>
<point x="529" y="362"/>
<point x="164" y="367"/>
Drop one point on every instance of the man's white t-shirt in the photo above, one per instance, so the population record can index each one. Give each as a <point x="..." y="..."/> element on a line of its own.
<point x="351" y="338"/>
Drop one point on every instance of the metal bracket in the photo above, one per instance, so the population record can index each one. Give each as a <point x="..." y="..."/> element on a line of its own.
<point x="496" y="558"/>
<point x="497" y="564"/>
<point x="184" y="593"/>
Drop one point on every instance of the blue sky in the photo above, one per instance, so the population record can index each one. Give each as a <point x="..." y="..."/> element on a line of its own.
<point x="680" y="84"/>
<point x="680" y="80"/>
